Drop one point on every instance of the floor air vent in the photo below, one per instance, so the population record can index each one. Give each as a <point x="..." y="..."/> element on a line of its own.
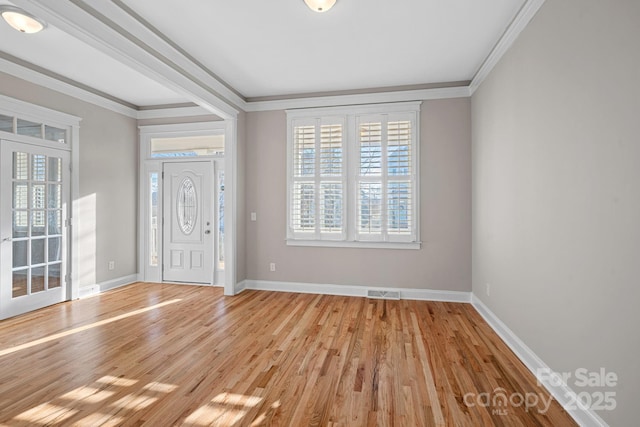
<point x="383" y="294"/>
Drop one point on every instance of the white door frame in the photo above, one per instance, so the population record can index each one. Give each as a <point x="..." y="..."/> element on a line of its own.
<point x="24" y="110"/>
<point x="150" y="165"/>
<point x="25" y="304"/>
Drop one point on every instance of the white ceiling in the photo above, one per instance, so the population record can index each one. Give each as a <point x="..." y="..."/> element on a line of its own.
<point x="279" y="48"/>
<point x="65" y="55"/>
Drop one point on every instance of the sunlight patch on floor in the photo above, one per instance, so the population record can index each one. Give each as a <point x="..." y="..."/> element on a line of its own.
<point x="236" y="399"/>
<point x="88" y="394"/>
<point x="226" y="409"/>
<point x="83" y="328"/>
<point x="100" y="419"/>
<point x="160" y="387"/>
<point x="262" y="418"/>
<point x="117" y="381"/>
<point x="46" y="414"/>
<point x="101" y="391"/>
<point x="135" y="403"/>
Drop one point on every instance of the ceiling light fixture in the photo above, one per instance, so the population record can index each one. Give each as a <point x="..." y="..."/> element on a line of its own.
<point x="21" y="20"/>
<point x="320" y="5"/>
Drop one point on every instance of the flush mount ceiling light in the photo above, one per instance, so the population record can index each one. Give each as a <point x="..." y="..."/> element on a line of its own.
<point x="320" y="5"/>
<point x="21" y="20"/>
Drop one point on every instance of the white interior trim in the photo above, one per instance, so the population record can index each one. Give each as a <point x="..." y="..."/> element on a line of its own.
<point x="519" y="23"/>
<point x="352" y="291"/>
<point x="173" y="112"/>
<point x="563" y="394"/>
<point x="147" y="165"/>
<point x="364" y="98"/>
<point x="231" y="179"/>
<point x="75" y="211"/>
<point x="98" y="288"/>
<point x="49" y="116"/>
<point x="36" y="112"/>
<point x="52" y="83"/>
<point x="354" y="244"/>
<point x="180" y="129"/>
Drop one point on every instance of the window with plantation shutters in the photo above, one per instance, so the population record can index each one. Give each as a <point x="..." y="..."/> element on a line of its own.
<point x="353" y="176"/>
<point x="385" y="180"/>
<point x="318" y="182"/>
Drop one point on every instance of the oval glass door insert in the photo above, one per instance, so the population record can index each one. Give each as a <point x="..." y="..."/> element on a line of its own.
<point x="187" y="206"/>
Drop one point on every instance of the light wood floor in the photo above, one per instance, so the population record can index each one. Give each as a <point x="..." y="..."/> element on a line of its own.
<point x="158" y="355"/>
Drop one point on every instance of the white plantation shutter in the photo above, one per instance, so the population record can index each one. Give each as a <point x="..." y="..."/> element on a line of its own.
<point x="318" y="182"/>
<point x="369" y="189"/>
<point x="303" y="196"/>
<point x="353" y="177"/>
<point x="385" y="189"/>
<point x="331" y="178"/>
<point x="400" y="178"/>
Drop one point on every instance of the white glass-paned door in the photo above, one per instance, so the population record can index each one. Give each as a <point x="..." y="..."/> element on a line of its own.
<point x="33" y="208"/>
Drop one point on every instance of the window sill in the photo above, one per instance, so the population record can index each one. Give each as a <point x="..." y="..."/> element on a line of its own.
<point x="359" y="244"/>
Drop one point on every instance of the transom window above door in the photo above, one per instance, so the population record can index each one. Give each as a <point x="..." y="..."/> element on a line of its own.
<point x="187" y="146"/>
<point x="19" y="126"/>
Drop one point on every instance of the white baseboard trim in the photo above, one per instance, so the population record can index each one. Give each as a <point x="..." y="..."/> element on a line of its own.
<point x="88" y="291"/>
<point x="563" y="394"/>
<point x="239" y="287"/>
<point x="352" y="291"/>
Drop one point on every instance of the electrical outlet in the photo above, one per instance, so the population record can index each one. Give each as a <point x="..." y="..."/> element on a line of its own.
<point x="254" y="216"/>
<point x="272" y="266"/>
<point x="112" y="265"/>
<point x="488" y="289"/>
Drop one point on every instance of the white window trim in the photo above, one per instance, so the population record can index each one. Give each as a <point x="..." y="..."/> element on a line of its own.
<point x="350" y="115"/>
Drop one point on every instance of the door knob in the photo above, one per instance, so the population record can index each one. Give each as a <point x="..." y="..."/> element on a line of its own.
<point x="207" y="231"/>
<point x="6" y="239"/>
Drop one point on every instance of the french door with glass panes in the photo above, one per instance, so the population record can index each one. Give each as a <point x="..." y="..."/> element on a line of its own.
<point x="34" y="192"/>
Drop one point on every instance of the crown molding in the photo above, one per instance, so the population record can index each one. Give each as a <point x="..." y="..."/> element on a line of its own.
<point x="58" y="85"/>
<point x="357" y="99"/>
<point x="28" y="110"/>
<point x="113" y="31"/>
<point x="519" y="23"/>
<point x="142" y="47"/>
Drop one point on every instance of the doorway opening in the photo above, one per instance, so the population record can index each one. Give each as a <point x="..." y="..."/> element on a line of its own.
<point x="38" y="244"/>
<point x="182" y="204"/>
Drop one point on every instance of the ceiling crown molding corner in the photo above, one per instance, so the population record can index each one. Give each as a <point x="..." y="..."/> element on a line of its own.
<point x="518" y="24"/>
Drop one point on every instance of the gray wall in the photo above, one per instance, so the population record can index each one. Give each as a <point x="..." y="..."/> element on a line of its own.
<point x="556" y="191"/>
<point x="108" y="180"/>
<point x="443" y="263"/>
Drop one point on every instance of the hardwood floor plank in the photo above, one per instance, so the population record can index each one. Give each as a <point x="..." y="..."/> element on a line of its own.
<point x="157" y="354"/>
